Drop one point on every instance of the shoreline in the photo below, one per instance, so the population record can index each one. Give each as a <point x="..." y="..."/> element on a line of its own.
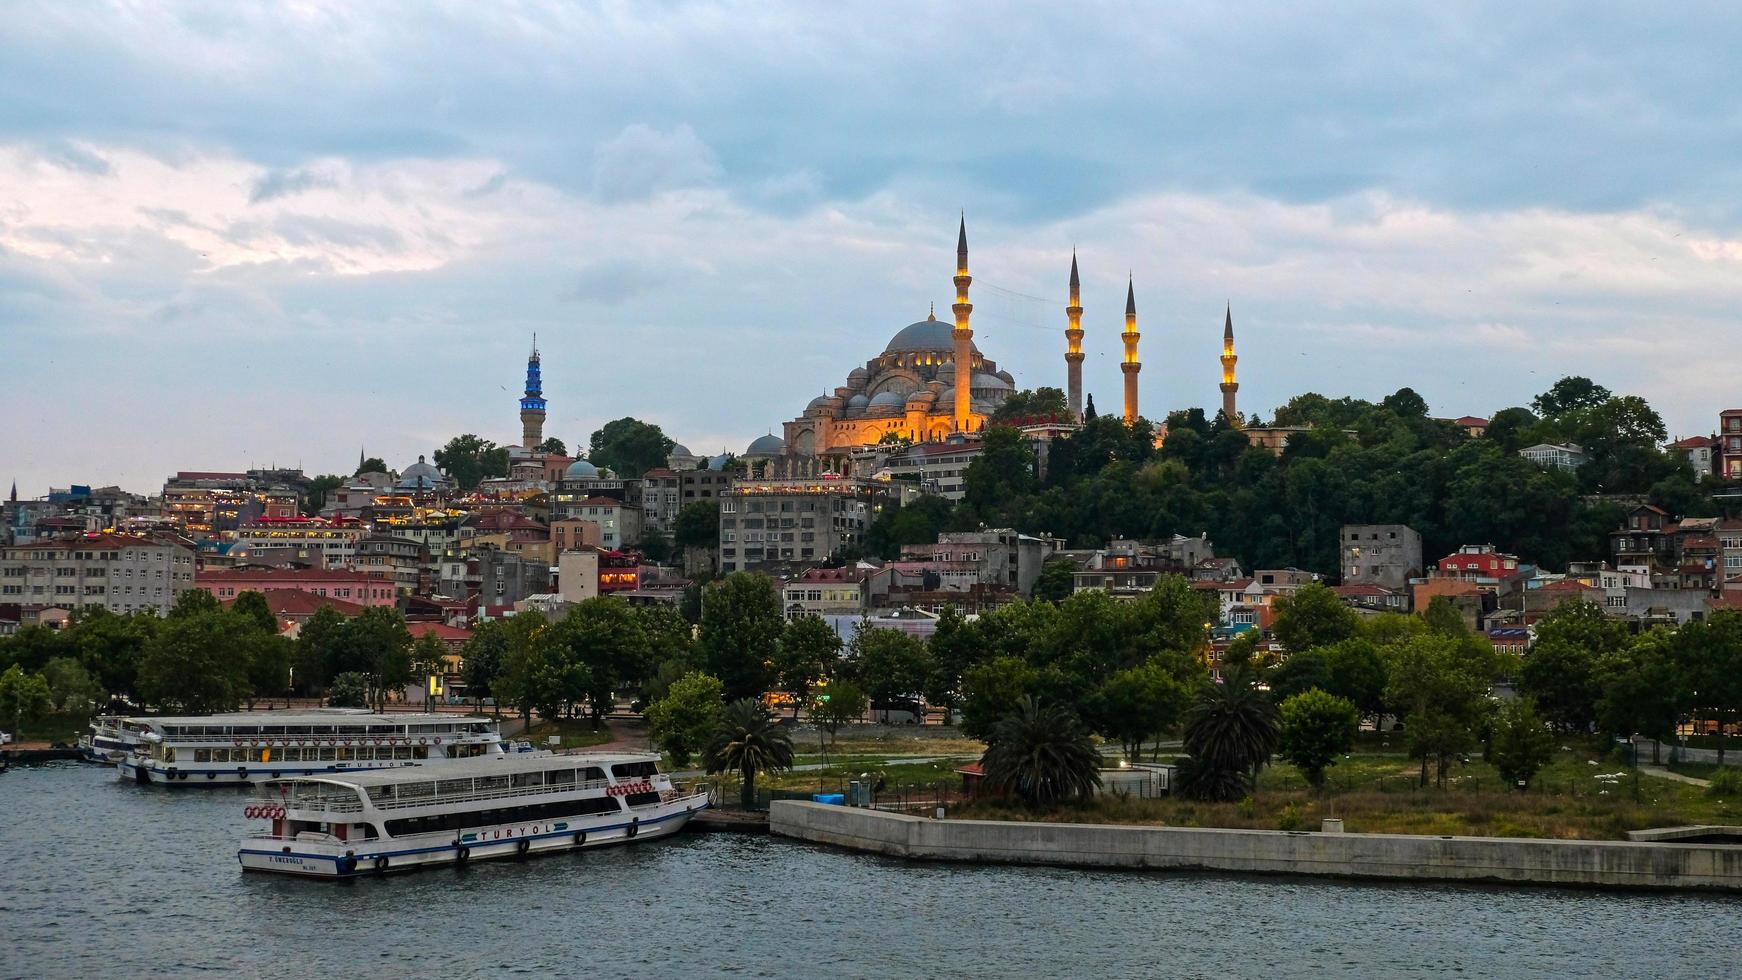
<point x="1623" y="865"/>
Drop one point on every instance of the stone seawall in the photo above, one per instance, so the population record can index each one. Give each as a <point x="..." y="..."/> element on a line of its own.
<point x="1602" y="864"/>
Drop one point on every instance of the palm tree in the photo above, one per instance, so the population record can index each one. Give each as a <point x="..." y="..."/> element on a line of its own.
<point x="1230" y="733"/>
<point x="747" y="741"/>
<point x="1041" y="755"/>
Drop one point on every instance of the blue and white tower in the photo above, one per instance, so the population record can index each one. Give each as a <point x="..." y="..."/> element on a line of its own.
<point x="532" y="404"/>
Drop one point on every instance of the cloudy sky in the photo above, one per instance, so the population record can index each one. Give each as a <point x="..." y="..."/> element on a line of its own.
<point x="237" y="235"/>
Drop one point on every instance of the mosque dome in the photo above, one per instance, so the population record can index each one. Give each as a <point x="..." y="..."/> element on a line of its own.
<point x="718" y="462"/>
<point x="920" y="396"/>
<point x="820" y="401"/>
<point x="887" y="402"/>
<point x="1007" y="378"/>
<point x="926" y="335"/>
<point x="768" y="445"/>
<point x="858" y="403"/>
<point x="857" y="377"/>
<point x="421" y="475"/>
<point x="990" y="382"/>
<point x="679" y="449"/>
<point x="580" y="469"/>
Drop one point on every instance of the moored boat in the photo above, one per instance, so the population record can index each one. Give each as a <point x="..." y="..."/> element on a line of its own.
<point x="107" y="739"/>
<point x="342" y="825"/>
<point x="251" y="747"/>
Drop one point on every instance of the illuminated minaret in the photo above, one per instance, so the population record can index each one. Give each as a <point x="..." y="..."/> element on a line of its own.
<point x="532" y="406"/>
<point x="963" y="334"/>
<point x="1074" y="345"/>
<point x="1131" y="364"/>
<point x="1229" y="385"/>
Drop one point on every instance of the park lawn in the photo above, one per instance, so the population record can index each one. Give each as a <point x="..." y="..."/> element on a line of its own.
<point x="853" y="743"/>
<point x="576" y="734"/>
<point x="1378" y="794"/>
<point x="50" y="729"/>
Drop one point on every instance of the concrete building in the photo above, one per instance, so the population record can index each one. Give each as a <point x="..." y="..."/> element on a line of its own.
<point x="936" y="467"/>
<point x="1728" y="458"/>
<point x="1560" y="456"/>
<point x="1386" y="555"/>
<point x="352" y="586"/>
<point x="827" y="592"/>
<point x="575" y="533"/>
<point x="1130" y="568"/>
<point x="1002" y="557"/>
<point x="661" y="498"/>
<point x="121" y="573"/>
<point x="765" y="522"/>
<point x="335" y="540"/>
<point x="1699" y="451"/>
<point x="401" y="561"/>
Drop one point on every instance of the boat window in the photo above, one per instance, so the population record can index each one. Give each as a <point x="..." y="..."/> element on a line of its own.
<point x="592" y="774"/>
<point x="290" y="753"/>
<point x="454" y="787"/>
<point x="420" y="751"/>
<point x="383" y="729"/>
<point x="381" y="792"/>
<point x="402" y="751"/>
<point x="642" y="799"/>
<point x="622" y="769"/>
<point x="327" y="753"/>
<point x="368" y="831"/>
<point x="202" y="755"/>
<point x="526" y="779"/>
<point x="450" y="822"/>
<point x="560" y="777"/>
<point x="343" y="753"/>
<point x="483" y="783"/>
<point x="416" y="791"/>
<point x="297" y="729"/>
<point x="168" y="755"/>
<point x="272" y="729"/>
<point x="245" y="730"/>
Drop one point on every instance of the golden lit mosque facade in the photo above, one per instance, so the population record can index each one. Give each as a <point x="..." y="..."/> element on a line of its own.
<point x="910" y="391"/>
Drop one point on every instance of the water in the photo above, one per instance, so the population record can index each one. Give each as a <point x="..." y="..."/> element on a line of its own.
<point x="103" y="878"/>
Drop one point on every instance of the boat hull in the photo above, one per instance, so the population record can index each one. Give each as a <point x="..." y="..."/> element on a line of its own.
<point x="361" y="858"/>
<point x="154" y="774"/>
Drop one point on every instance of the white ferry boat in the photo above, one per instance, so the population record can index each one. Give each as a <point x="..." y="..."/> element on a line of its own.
<point x="251" y="747"/>
<point x="339" y="826"/>
<point x="107" y="740"/>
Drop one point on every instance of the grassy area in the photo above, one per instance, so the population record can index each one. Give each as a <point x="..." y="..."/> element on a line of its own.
<point x="574" y="734"/>
<point x="888" y="743"/>
<point x="50" y="729"/>
<point x="1377" y="793"/>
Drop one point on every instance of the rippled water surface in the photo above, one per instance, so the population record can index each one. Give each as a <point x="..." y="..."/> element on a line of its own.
<point x="103" y="878"/>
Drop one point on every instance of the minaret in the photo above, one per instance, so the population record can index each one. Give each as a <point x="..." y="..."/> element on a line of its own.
<point x="1074" y="345"/>
<point x="532" y="406"/>
<point x="1131" y="364"/>
<point x="963" y="335"/>
<point x="1229" y="385"/>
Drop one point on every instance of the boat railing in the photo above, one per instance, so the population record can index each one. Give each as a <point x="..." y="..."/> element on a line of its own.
<point x="462" y="738"/>
<point x="349" y="803"/>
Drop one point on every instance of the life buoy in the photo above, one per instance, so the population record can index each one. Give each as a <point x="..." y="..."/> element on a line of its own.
<point x="381" y="864"/>
<point x="522" y="847"/>
<point x="461" y="852"/>
<point x="211" y="775"/>
<point x="236" y="741"/>
<point x="438" y="740"/>
<point x="423" y="741"/>
<point x="634" y="827"/>
<point x="580" y="838"/>
<point x="251" y="812"/>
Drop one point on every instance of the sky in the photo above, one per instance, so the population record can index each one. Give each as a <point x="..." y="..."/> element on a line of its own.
<point x="238" y="234"/>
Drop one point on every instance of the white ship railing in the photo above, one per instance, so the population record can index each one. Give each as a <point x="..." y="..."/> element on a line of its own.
<point x="350" y="803"/>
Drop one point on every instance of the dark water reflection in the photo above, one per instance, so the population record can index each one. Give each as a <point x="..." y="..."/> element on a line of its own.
<point x="107" y="879"/>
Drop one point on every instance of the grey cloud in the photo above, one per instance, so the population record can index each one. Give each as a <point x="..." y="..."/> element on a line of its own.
<point x="73" y="156"/>
<point x="613" y="282"/>
<point x="641" y="161"/>
<point x="314" y="230"/>
<point x="285" y="183"/>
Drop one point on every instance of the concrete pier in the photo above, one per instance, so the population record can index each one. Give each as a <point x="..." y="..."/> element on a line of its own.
<point x="1599" y="864"/>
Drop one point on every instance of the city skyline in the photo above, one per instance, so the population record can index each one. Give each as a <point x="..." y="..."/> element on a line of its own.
<point x="226" y="240"/>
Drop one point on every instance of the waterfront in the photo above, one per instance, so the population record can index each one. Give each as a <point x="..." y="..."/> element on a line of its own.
<point x="104" y="877"/>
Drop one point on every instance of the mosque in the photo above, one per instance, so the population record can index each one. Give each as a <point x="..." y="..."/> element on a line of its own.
<point x="932" y="383"/>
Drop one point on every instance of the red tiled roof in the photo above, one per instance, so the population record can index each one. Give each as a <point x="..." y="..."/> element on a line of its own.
<point x="290" y="603"/>
<point x="280" y="574"/>
<point x="832" y="575"/>
<point x="1470" y="420"/>
<point x="1692" y="442"/>
<point x="1569" y="585"/>
<point x="442" y="631"/>
<point x="103" y="539"/>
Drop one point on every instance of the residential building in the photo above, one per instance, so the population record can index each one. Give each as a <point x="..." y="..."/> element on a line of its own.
<point x="619" y="522"/>
<point x="1370" y="598"/>
<point x="401" y="561"/>
<point x="1000" y="556"/>
<point x="293" y="607"/>
<point x="1728" y="457"/>
<point x="1386" y="555"/>
<point x="122" y="573"/>
<point x="1698" y="451"/>
<point x="827" y="592"/>
<point x="1474" y="426"/>
<point x="489" y="578"/>
<point x="1477" y="562"/>
<point x="566" y="535"/>
<point x="661" y="498"/>
<point x="1560" y="456"/>
<point x="800" y="521"/>
<point x="351" y="586"/>
<point x="702" y="484"/>
<point x="335" y="540"/>
<point x="936" y="467"/>
<point x="1129" y="568"/>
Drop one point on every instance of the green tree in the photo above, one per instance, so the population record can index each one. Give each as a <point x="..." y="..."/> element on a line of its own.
<point x="842" y="703"/>
<point x="1057" y="580"/>
<point x="1642" y="688"/>
<point x="194" y="602"/>
<point x="952" y="648"/>
<point x="468" y="459"/>
<point x="1442" y="692"/>
<point x="314" y="496"/>
<point x="1041" y="755"/>
<point x="1521" y="743"/>
<point x="1560" y="668"/>
<point x="1709" y="655"/>
<point x="1568" y="395"/>
<point x="654" y="546"/>
<point x="629" y="447"/>
<point x="72" y="690"/>
<point x="748" y="742"/>
<point x="553" y="447"/>
<point x="892" y="665"/>
<point x="348" y="691"/>
<point x="1301" y="672"/>
<point x="740" y="632"/>
<point x="604" y="635"/>
<point x="1443" y="617"/>
<point x="1356" y="671"/>
<point x="269" y="658"/>
<point x="516" y="680"/>
<point x="1316" y="728"/>
<point x="683" y="721"/>
<point x="252" y="607"/>
<point x="809" y="652"/>
<point x="429" y="658"/>
<point x="373" y="464"/>
<point x="318" y="646"/>
<point x="1003" y="470"/>
<point x="992" y="690"/>
<point x="191" y="666"/>
<point x="698" y="525"/>
<point x="110" y="647"/>
<point x="481" y="660"/>
<point x="1139" y="703"/>
<point x="1037" y="403"/>
<point x="1313" y="616"/>
<point x="23" y="697"/>
<point x="1231" y="731"/>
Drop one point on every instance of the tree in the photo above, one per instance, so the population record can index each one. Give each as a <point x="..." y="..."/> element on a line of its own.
<point x="1568" y="395"/>
<point x="842" y="703"/>
<point x="377" y="643"/>
<point x="468" y="459"/>
<point x="269" y="657"/>
<point x="952" y="648"/>
<point x="740" y="632"/>
<point x="252" y="607"/>
<point x="1041" y="755"/>
<point x="1559" y="670"/>
<point x="23" y="697"/>
<point x="1003" y="470"/>
<point x="481" y="660"/>
<point x="747" y="741"/>
<point x="1230" y="732"/>
<point x="1139" y="703"/>
<point x="654" y="546"/>
<point x="72" y="690"/>
<point x="1313" y="616"/>
<point x="190" y="665"/>
<point x="809" y="651"/>
<point x="629" y="447"/>
<point x="1642" y="689"/>
<point x="1443" y="617"/>
<point x="1442" y="692"/>
<point x="314" y="496"/>
<point x="892" y="665"/>
<point x="1057" y="580"/>
<point x="992" y="690"/>
<point x="1709" y="654"/>
<point x="1521" y="743"/>
<point x="604" y="637"/>
<point x="194" y="602"/>
<point x="683" y="721"/>
<point x="515" y="682"/>
<point x="373" y="464"/>
<point x="697" y="525"/>
<point x="1356" y="671"/>
<point x="318" y="646"/>
<point x="429" y="658"/>
<point x="348" y="691"/>
<point x="1040" y="402"/>
<point x="1301" y="672"/>
<point x="553" y="447"/>
<point x="1316" y="728"/>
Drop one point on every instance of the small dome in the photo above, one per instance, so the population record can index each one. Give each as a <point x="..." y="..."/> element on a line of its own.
<point x="768" y="445"/>
<point x="679" y="449"/>
<point x="820" y="401"/>
<point x="857" y="377"/>
<point x="926" y="335"/>
<point x="421" y="475"/>
<point x="1007" y="378"/>
<point x="718" y="462"/>
<point x="858" y="401"/>
<point x="580" y="469"/>
<point x="991" y="381"/>
<point x="920" y="396"/>
<point x="887" y="401"/>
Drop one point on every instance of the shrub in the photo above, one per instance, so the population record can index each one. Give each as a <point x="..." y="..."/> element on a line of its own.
<point x="1291" y="818"/>
<point x="1727" y="781"/>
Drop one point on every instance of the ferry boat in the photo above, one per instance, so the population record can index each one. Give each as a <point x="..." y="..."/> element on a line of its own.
<point x="343" y="825"/>
<point x="107" y="740"/>
<point x="251" y="747"/>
